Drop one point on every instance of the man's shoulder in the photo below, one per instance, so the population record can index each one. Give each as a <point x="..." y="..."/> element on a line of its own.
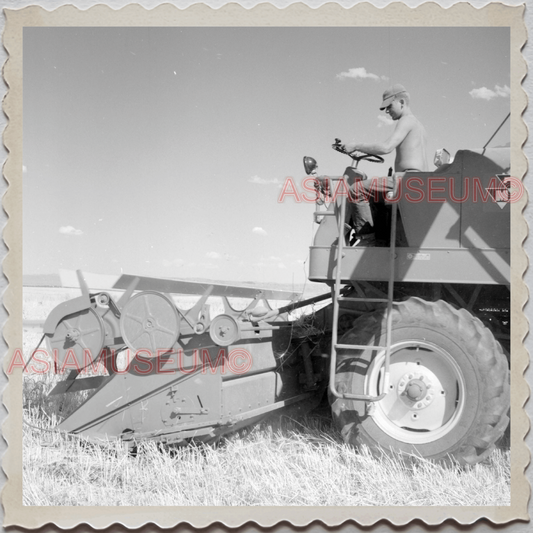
<point x="410" y="122"/>
<point x="409" y="119"/>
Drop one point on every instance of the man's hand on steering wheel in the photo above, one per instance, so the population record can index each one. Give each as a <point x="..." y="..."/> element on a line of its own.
<point x="348" y="147"/>
<point x="356" y="155"/>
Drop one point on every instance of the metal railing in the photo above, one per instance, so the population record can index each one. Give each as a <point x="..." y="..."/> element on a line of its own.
<point x="338" y="299"/>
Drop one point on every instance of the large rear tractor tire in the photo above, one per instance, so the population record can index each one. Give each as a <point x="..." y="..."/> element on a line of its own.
<point x="448" y="394"/>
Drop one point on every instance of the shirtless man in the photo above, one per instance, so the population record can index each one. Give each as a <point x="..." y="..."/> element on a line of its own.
<point x="409" y="140"/>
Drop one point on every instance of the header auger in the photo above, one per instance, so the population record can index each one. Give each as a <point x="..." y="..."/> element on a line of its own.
<point x="409" y="351"/>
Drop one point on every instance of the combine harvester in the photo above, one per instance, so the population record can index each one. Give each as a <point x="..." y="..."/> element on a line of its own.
<point x="409" y="349"/>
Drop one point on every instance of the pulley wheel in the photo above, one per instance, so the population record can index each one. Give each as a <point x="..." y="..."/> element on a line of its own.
<point x="77" y="340"/>
<point x="150" y="322"/>
<point x="102" y="300"/>
<point x="224" y="330"/>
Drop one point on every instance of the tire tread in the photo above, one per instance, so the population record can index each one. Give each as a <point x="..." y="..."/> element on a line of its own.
<point x="488" y="358"/>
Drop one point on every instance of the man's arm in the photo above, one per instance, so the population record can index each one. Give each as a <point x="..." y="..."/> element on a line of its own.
<point x="403" y="127"/>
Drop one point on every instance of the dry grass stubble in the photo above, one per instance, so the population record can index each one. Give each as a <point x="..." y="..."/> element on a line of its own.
<point x="282" y="462"/>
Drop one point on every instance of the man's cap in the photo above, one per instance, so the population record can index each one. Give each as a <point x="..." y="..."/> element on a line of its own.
<point x="390" y="93"/>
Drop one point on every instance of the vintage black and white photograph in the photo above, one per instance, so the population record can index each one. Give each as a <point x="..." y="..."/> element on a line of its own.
<point x="267" y="266"/>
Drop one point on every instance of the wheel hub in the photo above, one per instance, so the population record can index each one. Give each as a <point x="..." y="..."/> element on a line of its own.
<point x="426" y="392"/>
<point x="73" y="334"/>
<point x="149" y="324"/>
<point x="414" y="389"/>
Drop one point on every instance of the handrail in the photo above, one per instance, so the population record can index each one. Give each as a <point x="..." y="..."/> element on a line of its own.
<point x="337" y="298"/>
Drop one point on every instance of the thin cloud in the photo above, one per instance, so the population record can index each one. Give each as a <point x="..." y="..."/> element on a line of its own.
<point x="361" y="74"/>
<point x="208" y="265"/>
<point x="174" y="263"/>
<point x="259" y="231"/>
<point x="262" y="181"/>
<point x="384" y="120"/>
<point x="70" y="230"/>
<point x="213" y="255"/>
<point x="484" y="93"/>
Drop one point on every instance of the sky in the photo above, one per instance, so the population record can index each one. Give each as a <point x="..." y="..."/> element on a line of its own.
<point x="163" y="151"/>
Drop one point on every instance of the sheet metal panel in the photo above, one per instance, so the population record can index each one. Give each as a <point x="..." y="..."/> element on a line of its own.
<point x="460" y="265"/>
<point x="248" y="393"/>
<point x="192" y="287"/>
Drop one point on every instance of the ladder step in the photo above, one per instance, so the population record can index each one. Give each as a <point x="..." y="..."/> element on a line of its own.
<point x="337" y="300"/>
<point x="351" y="299"/>
<point x="324" y="213"/>
<point x="357" y="347"/>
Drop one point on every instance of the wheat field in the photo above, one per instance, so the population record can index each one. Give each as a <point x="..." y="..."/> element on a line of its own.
<point x="281" y="461"/>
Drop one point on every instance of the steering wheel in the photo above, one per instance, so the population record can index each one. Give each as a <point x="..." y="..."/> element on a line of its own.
<point x="371" y="158"/>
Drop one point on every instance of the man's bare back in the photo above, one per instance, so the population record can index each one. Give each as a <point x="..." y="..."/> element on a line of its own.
<point x="411" y="152"/>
